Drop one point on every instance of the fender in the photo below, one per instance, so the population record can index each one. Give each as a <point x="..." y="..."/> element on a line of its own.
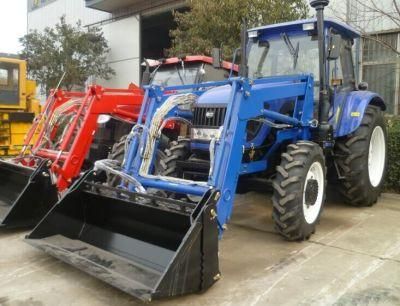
<point x="349" y="110"/>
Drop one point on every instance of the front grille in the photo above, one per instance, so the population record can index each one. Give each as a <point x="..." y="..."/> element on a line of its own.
<point x="202" y="117"/>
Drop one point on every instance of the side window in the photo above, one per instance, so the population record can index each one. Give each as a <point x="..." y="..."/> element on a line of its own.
<point x="3" y="77"/>
<point x="9" y="83"/>
<point x="346" y="58"/>
<point x="213" y="74"/>
<point x="341" y="71"/>
<point x="335" y="73"/>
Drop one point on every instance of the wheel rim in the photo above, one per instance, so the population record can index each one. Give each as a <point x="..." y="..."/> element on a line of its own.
<point x="376" y="156"/>
<point x="315" y="184"/>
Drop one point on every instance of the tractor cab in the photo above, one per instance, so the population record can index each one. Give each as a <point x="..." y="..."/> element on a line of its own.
<point x="292" y="48"/>
<point x="189" y="70"/>
<point x="283" y="50"/>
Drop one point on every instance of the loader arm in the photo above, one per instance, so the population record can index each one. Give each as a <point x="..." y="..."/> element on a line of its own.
<point x="54" y="101"/>
<point x="247" y="101"/>
<point x="79" y="137"/>
<point x="31" y="182"/>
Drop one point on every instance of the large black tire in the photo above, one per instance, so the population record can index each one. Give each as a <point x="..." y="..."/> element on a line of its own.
<point x="291" y="213"/>
<point x="117" y="153"/>
<point x="177" y="151"/>
<point x="351" y="156"/>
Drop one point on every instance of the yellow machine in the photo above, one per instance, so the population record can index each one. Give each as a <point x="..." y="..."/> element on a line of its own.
<point x="18" y="105"/>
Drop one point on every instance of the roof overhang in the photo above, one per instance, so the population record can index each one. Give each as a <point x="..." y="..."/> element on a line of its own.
<point x="191" y="59"/>
<point x="111" y="6"/>
<point x="297" y="26"/>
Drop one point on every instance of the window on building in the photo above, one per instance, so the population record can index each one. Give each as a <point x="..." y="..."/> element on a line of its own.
<point x="381" y="68"/>
<point x="382" y="79"/>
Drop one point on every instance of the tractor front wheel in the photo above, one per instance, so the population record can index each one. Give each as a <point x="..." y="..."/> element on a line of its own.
<point x="361" y="159"/>
<point x="117" y="153"/>
<point x="299" y="190"/>
<point x="177" y="151"/>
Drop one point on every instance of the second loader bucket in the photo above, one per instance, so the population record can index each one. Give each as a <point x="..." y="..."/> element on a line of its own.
<point x="26" y="194"/>
<point x="145" y="245"/>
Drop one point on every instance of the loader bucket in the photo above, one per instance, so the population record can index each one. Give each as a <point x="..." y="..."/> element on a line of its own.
<point x="147" y="246"/>
<point x="26" y="194"/>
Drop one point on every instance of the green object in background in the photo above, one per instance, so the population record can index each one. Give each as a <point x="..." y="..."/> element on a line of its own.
<point x="393" y="174"/>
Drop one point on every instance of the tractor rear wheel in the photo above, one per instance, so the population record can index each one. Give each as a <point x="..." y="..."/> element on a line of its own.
<point x="361" y="158"/>
<point x="299" y="190"/>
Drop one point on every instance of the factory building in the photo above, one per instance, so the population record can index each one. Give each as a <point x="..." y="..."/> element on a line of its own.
<point x="134" y="28"/>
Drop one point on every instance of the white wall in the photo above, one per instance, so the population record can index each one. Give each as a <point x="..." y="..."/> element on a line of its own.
<point x="73" y="10"/>
<point x="124" y="40"/>
<point x="123" y="36"/>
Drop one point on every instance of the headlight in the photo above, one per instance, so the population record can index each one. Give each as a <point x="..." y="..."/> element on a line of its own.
<point x="204" y="134"/>
<point x="186" y="107"/>
<point x="102" y="119"/>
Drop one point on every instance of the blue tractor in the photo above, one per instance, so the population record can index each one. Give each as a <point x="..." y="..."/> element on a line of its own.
<point x="295" y="117"/>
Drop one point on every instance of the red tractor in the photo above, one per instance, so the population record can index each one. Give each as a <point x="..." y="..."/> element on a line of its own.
<point x="75" y="130"/>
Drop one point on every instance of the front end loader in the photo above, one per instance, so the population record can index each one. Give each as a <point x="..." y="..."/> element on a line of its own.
<point x="293" y="115"/>
<point x="30" y="184"/>
<point x="67" y="133"/>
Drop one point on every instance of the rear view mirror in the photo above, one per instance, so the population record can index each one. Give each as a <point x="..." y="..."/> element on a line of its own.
<point x="335" y="42"/>
<point x="363" y="86"/>
<point x="146" y="74"/>
<point x="216" y="57"/>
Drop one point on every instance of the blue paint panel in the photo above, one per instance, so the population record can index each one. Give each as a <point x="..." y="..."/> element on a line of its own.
<point x="245" y="99"/>
<point x="202" y="146"/>
<point x="253" y="167"/>
<point x="216" y="96"/>
<point x="194" y="189"/>
<point x="349" y="111"/>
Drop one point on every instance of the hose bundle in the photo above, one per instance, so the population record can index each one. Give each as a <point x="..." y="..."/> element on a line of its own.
<point x="156" y="123"/>
<point x="111" y="166"/>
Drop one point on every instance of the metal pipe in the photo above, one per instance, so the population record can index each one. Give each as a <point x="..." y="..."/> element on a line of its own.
<point x="319" y="6"/>
<point x="324" y="105"/>
<point x="158" y="183"/>
<point x="233" y="61"/>
<point x="243" y="56"/>
<point x="281" y="118"/>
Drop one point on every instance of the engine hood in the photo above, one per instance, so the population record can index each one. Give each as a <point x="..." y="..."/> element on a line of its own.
<point x="216" y="96"/>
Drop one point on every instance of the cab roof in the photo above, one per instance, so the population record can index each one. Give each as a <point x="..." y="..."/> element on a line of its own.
<point x="192" y="59"/>
<point x="294" y="26"/>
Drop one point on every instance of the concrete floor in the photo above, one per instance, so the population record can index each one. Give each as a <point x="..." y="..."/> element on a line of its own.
<point x="353" y="259"/>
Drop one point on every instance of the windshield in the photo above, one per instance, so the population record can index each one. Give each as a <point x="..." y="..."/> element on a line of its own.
<point x="284" y="55"/>
<point x="173" y="75"/>
<point x="9" y="83"/>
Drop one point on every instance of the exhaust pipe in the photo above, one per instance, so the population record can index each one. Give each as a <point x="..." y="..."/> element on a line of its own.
<point x="324" y="105"/>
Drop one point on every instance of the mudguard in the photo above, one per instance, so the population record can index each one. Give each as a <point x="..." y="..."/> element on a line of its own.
<point x="349" y="110"/>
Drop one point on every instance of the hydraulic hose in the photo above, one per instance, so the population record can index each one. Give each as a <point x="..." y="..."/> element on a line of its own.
<point x="110" y="166"/>
<point x="156" y="123"/>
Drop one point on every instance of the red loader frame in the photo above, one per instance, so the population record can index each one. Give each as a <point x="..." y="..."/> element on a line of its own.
<point x="67" y="159"/>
